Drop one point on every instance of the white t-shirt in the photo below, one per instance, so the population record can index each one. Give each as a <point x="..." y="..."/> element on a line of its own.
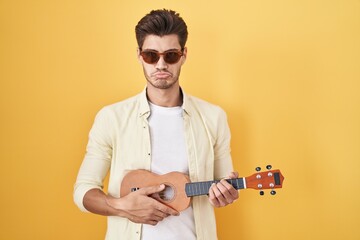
<point x="169" y="154"/>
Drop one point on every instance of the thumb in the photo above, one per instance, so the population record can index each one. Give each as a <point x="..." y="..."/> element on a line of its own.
<point x="233" y="175"/>
<point x="152" y="189"/>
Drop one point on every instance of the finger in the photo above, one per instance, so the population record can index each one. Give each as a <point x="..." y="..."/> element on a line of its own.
<point x="227" y="197"/>
<point x="155" y="196"/>
<point x="233" y="175"/>
<point x="161" y="215"/>
<point x="212" y="198"/>
<point x="159" y="212"/>
<point x="230" y="193"/>
<point x="146" y="217"/>
<point x="166" y="210"/>
<point x="152" y="189"/>
<point x="218" y="195"/>
<point x="158" y="216"/>
<point x="156" y="204"/>
<point x="144" y="221"/>
<point x="152" y="223"/>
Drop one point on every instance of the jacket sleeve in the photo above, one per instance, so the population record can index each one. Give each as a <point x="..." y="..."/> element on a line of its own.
<point x="97" y="160"/>
<point x="222" y="157"/>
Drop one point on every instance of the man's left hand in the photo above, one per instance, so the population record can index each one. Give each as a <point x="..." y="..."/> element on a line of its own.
<point x="222" y="193"/>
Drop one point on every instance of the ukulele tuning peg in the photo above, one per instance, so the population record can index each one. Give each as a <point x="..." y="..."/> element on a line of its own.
<point x="273" y="192"/>
<point x="261" y="193"/>
<point x="268" y="167"/>
<point x="258" y="169"/>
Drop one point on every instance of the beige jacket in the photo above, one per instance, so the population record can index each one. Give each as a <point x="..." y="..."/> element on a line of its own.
<point x="119" y="141"/>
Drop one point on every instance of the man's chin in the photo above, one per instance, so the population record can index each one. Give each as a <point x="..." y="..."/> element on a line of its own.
<point x="162" y="84"/>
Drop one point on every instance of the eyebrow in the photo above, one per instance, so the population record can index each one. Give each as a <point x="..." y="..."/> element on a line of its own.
<point x="149" y="49"/>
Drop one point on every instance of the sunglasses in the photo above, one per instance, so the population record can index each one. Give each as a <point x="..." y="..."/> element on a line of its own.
<point x="170" y="56"/>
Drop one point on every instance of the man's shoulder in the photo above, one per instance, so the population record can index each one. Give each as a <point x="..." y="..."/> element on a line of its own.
<point x="133" y="100"/>
<point x="204" y="106"/>
<point x="121" y="108"/>
<point x="124" y="104"/>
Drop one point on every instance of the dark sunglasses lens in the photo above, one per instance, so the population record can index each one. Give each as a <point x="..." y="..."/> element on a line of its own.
<point x="150" y="57"/>
<point x="172" y="57"/>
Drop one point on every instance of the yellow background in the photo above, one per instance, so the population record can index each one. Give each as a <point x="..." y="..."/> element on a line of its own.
<point x="286" y="72"/>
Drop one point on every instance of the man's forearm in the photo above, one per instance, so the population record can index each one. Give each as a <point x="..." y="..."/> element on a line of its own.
<point x="95" y="201"/>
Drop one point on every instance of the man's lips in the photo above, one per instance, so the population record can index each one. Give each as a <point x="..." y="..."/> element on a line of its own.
<point x="162" y="74"/>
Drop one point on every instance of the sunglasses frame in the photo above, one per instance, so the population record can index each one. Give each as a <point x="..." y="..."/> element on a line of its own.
<point x="158" y="54"/>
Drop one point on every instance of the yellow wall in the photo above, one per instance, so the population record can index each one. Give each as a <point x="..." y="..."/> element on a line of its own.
<point x="286" y="72"/>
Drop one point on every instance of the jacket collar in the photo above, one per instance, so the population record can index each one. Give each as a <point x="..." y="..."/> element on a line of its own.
<point x="145" y="108"/>
<point x="144" y="105"/>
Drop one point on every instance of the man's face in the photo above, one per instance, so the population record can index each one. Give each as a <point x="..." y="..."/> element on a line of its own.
<point x="162" y="75"/>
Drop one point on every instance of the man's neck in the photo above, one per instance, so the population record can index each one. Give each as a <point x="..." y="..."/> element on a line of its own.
<point x="171" y="97"/>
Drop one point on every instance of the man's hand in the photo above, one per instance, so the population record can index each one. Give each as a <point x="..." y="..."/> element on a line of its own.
<point x="140" y="208"/>
<point x="222" y="193"/>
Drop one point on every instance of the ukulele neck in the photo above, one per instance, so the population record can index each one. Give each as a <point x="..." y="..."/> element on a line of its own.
<point x="202" y="188"/>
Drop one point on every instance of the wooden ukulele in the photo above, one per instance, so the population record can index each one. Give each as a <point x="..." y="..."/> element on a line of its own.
<point x="179" y="189"/>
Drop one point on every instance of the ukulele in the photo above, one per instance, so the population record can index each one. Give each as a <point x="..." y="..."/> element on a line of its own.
<point x="179" y="190"/>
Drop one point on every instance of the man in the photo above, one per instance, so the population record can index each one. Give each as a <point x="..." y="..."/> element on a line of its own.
<point x="161" y="130"/>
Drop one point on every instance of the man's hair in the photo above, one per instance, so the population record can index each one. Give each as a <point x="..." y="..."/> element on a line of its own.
<point x="160" y="23"/>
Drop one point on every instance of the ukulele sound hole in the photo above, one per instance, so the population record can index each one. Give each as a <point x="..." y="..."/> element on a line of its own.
<point x="167" y="194"/>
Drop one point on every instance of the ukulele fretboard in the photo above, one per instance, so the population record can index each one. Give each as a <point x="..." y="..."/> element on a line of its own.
<point x="202" y="188"/>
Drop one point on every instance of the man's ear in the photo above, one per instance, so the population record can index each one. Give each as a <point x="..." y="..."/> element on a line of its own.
<point x="138" y="55"/>
<point x="184" y="55"/>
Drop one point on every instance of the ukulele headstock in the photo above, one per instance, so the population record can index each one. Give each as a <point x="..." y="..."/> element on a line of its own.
<point x="270" y="179"/>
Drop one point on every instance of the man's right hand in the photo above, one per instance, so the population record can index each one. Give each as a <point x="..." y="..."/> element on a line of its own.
<point x="138" y="207"/>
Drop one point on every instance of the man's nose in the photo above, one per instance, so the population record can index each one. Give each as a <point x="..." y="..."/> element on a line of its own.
<point x="161" y="64"/>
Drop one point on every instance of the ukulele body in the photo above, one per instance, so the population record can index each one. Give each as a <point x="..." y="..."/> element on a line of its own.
<point x="174" y="194"/>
